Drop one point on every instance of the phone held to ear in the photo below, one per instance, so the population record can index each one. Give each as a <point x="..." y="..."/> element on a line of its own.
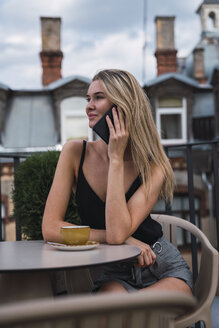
<point x="101" y="127"/>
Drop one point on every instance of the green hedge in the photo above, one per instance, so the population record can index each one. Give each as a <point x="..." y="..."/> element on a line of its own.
<point x="32" y="182"/>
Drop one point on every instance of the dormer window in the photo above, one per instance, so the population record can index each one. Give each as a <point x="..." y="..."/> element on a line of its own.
<point x="209" y="14"/>
<point x="74" y="121"/>
<point x="171" y="120"/>
<point x="211" y="21"/>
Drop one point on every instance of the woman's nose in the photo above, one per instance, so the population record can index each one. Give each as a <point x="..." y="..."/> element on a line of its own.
<point x="90" y="104"/>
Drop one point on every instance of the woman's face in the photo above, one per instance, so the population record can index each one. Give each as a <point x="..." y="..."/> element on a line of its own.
<point x="98" y="104"/>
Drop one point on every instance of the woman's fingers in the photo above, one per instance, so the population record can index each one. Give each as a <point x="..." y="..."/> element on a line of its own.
<point x="119" y="120"/>
<point x="117" y="129"/>
<point x="110" y="125"/>
<point x="117" y="123"/>
<point x="118" y="136"/>
<point x="146" y="258"/>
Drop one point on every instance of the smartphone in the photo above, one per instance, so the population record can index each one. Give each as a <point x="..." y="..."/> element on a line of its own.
<point x="101" y="127"/>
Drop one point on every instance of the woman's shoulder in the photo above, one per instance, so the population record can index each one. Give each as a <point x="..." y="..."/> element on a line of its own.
<point x="72" y="146"/>
<point x="72" y="150"/>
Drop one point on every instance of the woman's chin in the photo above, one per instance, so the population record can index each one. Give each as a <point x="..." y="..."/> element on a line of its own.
<point x="91" y="125"/>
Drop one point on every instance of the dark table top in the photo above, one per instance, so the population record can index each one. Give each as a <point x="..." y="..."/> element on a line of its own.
<point x="20" y="256"/>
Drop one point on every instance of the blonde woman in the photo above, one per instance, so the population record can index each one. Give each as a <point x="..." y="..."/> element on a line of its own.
<point x="116" y="186"/>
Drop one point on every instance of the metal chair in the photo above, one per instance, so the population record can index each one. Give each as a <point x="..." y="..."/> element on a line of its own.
<point x="149" y="309"/>
<point x="207" y="280"/>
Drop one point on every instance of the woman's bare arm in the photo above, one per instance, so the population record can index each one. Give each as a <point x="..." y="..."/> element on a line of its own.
<point x="59" y="194"/>
<point x="122" y="219"/>
<point x="58" y="198"/>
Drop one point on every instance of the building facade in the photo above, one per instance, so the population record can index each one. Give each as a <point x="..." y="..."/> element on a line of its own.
<point x="184" y="98"/>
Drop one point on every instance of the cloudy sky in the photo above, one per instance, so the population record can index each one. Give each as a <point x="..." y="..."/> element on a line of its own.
<point x="95" y="34"/>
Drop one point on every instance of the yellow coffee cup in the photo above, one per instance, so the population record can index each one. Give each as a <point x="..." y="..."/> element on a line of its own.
<point x="75" y="235"/>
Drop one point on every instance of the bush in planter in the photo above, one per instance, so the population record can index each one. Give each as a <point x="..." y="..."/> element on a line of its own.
<point x="32" y="182"/>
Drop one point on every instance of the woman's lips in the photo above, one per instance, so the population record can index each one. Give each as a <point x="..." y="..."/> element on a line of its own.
<point x="91" y="116"/>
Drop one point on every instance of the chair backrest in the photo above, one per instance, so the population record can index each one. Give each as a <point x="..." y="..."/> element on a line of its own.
<point x="150" y="309"/>
<point x="207" y="280"/>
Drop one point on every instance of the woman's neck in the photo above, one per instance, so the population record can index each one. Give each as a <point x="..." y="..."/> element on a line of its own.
<point x="103" y="151"/>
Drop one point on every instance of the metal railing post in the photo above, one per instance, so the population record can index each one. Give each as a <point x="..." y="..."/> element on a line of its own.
<point x="168" y="207"/>
<point x="192" y="209"/>
<point x="216" y="186"/>
<point x="1" y="222"/>
<point x="17" y="224"/>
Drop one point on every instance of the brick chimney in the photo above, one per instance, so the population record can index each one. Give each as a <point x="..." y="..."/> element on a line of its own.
<point x="51" y="54"/>
<point x="165" y="51"/>
<point x="199" y="68"/>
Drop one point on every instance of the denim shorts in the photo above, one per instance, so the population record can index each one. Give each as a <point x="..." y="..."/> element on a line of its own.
<point x="169" y="263"/>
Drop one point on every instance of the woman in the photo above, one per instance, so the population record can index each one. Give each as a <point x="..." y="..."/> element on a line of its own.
<point x="117" y="185"/>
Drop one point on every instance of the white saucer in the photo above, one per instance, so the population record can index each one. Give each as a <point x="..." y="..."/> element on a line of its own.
<point x="64" y="247"/>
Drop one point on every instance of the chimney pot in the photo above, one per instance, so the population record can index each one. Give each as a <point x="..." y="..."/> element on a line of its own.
<point x="199" y="70"/>
<point x="166" y="53"/>
<point x="165" y="32"/>
<point x="51" y="54"/>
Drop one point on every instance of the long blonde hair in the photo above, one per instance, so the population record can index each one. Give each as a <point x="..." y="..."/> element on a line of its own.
<point x="122" y="89"/>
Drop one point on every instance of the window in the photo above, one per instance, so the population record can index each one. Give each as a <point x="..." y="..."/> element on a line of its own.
<point x="211" y="21"/>
<point x="74" y="121"/>
<point x="171" y="120"/>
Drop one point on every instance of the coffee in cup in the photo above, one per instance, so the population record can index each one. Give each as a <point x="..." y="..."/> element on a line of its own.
<point x="75" y="235"/>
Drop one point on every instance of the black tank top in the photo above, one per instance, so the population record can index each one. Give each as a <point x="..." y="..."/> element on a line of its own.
<point x="92" y="209"/>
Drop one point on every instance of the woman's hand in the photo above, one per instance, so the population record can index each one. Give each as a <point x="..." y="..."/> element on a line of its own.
<point x="147" y="256"/>
<point x="118" y="135"/>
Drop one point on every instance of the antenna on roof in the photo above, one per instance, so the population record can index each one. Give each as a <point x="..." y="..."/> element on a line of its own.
<point x="144" y="41"/>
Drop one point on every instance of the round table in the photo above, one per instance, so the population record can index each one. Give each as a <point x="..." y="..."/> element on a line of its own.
<point x="40" y="256"/>
<point x="28" y="268"/>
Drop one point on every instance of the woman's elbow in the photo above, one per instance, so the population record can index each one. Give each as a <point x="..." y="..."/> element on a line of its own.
<point x="45" y="234"/>
<point x="46" y="231"/>
<point x="115" y="239"/>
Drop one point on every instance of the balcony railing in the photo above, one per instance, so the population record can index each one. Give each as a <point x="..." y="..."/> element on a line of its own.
<point x="202" y="158"/>
<point x="14" y="159"/>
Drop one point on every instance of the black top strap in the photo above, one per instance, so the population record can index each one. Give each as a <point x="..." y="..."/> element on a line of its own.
<point x="83" y="154"/>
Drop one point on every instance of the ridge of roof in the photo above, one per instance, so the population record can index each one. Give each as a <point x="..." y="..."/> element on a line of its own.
<point x="4" y="86"/>
<point x="208" y="2"/>
<point x="65" y="80"/>
<point x="53" y="85"/>
<point x="180" y="77"/>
